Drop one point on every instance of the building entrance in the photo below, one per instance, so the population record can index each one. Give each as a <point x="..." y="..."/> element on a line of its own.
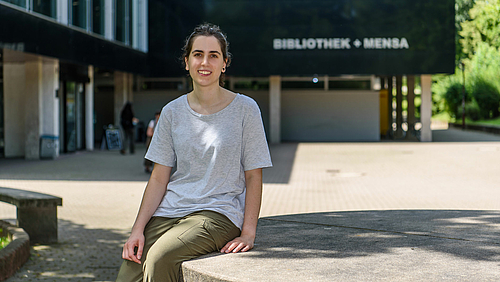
<point x="72" y="114"/>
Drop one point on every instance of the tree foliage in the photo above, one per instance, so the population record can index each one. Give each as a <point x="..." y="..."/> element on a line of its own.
<point x="480" y="40"/>
<point x="482" y="27"/>
<point x="462" y="15"/>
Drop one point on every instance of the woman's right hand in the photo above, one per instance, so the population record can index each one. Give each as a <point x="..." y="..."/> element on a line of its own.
<point x="136" y="240"/>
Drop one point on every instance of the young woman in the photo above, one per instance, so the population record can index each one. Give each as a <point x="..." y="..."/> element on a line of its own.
<point x="211" y="200"/>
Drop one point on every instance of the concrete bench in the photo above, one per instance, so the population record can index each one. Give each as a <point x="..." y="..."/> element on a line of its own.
<point x="36" y="213"/>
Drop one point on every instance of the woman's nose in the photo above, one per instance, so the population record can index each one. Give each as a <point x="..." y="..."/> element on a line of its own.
<point x="205" y="60"/>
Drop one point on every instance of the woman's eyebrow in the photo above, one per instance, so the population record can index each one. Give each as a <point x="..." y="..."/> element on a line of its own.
<point x="201" y="51"/>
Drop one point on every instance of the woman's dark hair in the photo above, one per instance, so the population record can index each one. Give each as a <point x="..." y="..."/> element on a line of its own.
<point x="208" y="29"/>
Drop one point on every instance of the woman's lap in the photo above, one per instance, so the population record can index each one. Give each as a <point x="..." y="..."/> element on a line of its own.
<point x="169" y="242"/>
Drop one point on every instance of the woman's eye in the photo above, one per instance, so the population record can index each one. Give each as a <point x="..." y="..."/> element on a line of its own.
<point x="214" y="56"/>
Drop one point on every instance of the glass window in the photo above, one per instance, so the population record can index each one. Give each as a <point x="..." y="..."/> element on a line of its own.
<point x="120" y="21"/>
<point x="79" y="13"/>
<point x="20" y="3"/>
<point x="124" y="21"/>
<point x="45" y="7"/>
<point x="130" y="23"/>
<point x="98" y="16"/>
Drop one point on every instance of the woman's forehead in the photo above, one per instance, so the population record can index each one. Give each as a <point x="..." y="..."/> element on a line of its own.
<point x="206" y="43"/>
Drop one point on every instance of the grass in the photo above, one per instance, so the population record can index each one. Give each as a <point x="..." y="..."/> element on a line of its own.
<point x="4" y="241"/>
<point x="446" y="117"/>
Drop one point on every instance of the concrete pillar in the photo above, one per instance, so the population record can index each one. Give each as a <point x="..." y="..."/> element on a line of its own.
<point x="109" y="23"/>
<point x="89" y="111"/>
<point x="49" y="101"/>
<point x="123" y="92"/>
<point x="32" y="107"/>
<point x="410" y="97"/>
<point x="62" y="11"/>
<point x="275" y="108"/>
<point x="14" y="79"/>
<point x="399" y="106"/>
<point x="426" y="108"/>
<point x="130" y="87"/>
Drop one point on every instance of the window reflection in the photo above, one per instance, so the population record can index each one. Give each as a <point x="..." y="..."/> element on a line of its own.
<point x="98" y="16"/>
<point x="79" y="13"/>
<point x="45" y="7"/>
<point x="20" y="3"/>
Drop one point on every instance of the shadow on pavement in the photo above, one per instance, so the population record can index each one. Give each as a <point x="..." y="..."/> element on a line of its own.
<point x="82" y="254"/>
<point x="471" y="235"/>
<point x="459" y="135"/>
<point x="283" y="157"/>
<point x="81" y="166"/>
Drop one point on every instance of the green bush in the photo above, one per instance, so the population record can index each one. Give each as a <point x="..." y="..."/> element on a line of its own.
<point x="487" y="97"/>
<point x="453" y="99"/>
<point x="472" y="111"/>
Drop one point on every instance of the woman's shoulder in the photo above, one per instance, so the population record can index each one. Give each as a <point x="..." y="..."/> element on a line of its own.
<point x="175" y="104"/>
<point x="247" y="102"/>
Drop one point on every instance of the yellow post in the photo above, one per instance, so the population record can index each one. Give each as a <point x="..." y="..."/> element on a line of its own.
<point x="384" y="118"/>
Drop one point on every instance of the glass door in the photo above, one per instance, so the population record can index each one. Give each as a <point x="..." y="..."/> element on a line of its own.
<point x="73" y="117"/>
<point x="70" y="117"/>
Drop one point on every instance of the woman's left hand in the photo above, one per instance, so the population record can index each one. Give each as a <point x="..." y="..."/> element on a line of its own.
<point x="239" y="244"/>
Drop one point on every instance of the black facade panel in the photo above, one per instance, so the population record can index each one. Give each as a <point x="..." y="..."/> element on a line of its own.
<point x="28" y="33"/>
<point x="363" y="35"/>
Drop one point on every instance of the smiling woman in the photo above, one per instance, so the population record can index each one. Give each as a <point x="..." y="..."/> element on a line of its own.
<point x="211" y="202"/>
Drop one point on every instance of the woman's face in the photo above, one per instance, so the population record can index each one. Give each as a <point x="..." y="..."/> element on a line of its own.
<point x="205" y="62"/>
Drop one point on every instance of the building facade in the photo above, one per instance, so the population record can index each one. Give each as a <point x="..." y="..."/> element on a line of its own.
<point x="51" y="52"/>
<point x="350" y="70"/>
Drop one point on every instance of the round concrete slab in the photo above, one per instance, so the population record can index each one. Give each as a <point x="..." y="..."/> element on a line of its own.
<point x="405" y="245"/>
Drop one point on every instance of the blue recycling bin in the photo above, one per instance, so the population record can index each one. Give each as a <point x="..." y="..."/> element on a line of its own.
<point x="49" y="146"/>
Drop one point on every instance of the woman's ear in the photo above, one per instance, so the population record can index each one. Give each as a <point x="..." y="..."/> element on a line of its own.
<point x="224" y="66"/>
<point x="186" y="63"/>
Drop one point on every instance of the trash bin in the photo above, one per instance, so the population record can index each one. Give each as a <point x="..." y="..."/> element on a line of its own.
<point x="49" y="146"/>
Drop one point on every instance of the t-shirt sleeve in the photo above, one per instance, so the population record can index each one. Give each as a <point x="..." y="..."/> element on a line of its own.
<point x="151" y="124"/>
<point x="255" y="149"/>
<point x="161" y="148"/>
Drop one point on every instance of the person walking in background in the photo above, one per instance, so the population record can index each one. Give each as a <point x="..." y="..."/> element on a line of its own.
<point x="127" y="121"/>
<point x="149" y="134"/>
<point x="211" y="201"/>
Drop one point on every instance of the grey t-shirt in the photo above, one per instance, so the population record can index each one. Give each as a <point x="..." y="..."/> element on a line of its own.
<point x="211" y="154"/>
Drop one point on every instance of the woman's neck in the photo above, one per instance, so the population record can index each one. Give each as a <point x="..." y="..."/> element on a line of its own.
<point x="207" y="97"/>
<point x="209" y="101"/>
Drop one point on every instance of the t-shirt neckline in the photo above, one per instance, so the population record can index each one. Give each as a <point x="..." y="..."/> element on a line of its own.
<point x="210" y="115"/>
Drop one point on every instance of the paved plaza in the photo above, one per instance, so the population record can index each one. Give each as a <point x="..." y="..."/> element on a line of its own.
<point x="458" y="172"/>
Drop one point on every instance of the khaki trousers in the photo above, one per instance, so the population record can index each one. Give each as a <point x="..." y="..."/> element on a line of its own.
<point x="170" y="241"/>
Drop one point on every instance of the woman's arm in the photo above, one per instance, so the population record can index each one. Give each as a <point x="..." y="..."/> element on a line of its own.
<point x="153" y="194"/>
<point x="253" y="198"/>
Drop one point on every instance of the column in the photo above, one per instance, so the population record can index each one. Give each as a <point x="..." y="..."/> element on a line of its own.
<point x="109" y="22"/>
<point x="275" y="108"/>
<point x="399" y="106"/>
<point x="32" y="107"/>
<point x="426" y="108"/>
<point x="89" y="111"/>
<point x="14" y="79"/>
<point x="123" y="92"/>
<point x="62" y="11"/>
<point x="50" y="103"/>
<point x="410" y="97"/>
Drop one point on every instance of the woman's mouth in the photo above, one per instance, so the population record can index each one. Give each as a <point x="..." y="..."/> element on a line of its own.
<point x="204" y="72"/>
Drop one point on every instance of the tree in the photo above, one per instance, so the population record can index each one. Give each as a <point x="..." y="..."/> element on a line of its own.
<point x="483" y="26"/>
<point x="462" y="15"/>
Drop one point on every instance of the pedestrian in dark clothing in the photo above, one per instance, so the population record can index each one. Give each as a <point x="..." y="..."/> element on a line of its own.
<point x="127" y="120"/>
